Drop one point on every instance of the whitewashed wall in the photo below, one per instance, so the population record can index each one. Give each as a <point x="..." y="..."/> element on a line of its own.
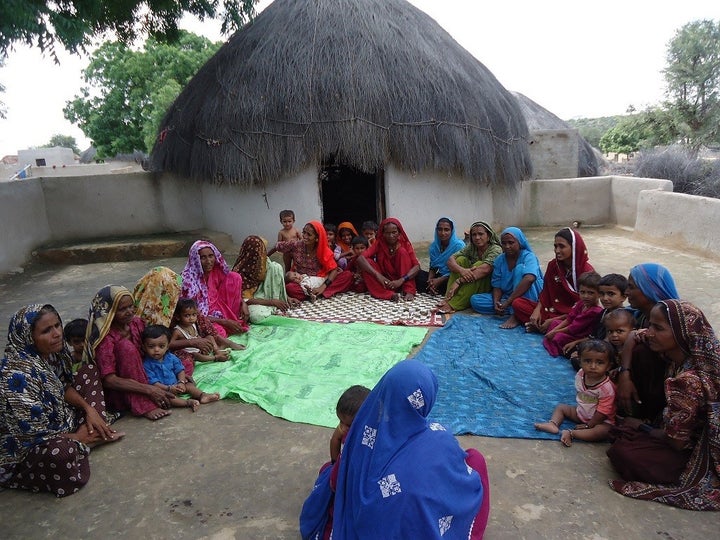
<point x="418" y="202"/>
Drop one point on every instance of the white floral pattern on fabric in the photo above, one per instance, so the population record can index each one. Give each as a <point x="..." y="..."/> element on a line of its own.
<point x="368" y="438"/>
<point x="436" y="426"/>
<point x="416" y="399"/>
<point x="389" y="486"/>
<point x="444" y="524"/>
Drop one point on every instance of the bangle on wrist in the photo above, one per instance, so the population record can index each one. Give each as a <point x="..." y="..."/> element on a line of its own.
<point x="406" y="278"/>
<point x="327" y="282"/>
<point x="646" y="428"/>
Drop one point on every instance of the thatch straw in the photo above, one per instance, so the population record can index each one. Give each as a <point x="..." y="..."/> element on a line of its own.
<point x="537" y="118"/>
<point x="365" y="83"/>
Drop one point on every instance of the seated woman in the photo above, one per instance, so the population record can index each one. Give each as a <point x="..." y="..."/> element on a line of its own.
<point x="345" y="233"/>
<point x="311" y="256"/>
<point x="677" y="463"/>
<point x="389" y="266"/>
<point x="114" y="344"/>
<point x="263" y="281"/>
<point x="445" y="244"/>
<point x="516" y="274"/>
<point x="207" y="279"/>
<point x="560" y="284"/>
<point x="640" y="381"/>
<point x="471" y="268"/>
<point x="48" y="419"/>
<point x="402" y="476"/>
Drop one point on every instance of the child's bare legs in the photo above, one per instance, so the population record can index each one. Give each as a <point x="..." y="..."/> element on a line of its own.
<point x="202" y="357"/>
<point x="194" y="404"/>
<point x="560" y="413"/>
<point x="198" y="394"/>
<point x="224" y="343"/>
<point x="584" y="433"/>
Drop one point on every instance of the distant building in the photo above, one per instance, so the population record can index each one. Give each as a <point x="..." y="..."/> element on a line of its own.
<point x="46" y="157"/>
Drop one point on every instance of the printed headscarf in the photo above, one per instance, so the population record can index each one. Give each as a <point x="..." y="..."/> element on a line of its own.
<point x="100" y="317"/>
<point x="251" y="262"/>
<point x="156" y="295"/>
<point x="397" y="464"/>
<point x="193" y="282"/>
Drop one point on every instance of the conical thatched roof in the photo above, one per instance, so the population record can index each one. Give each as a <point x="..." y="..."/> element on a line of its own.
<point x="537" y="117"/>
<point x="365" y="83"/>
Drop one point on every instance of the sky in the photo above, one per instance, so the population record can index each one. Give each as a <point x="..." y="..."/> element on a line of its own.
<point x="575" y="58"/>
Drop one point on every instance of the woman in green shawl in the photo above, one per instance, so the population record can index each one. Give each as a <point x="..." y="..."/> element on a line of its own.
<point x="471" y="268"/>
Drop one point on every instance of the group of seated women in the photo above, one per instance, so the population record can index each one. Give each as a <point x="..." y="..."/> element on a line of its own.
<point x="669" y="380"/>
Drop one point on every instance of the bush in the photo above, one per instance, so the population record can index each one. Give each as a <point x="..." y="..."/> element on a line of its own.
<point x="688" y="174"/>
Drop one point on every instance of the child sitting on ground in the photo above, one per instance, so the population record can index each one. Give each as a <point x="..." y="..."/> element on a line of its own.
<point x="308" y="283"/>
<point x="74" y="333"/>
<point x="346" y="409"/>
<point x="594" y="413"/>
<point x="165" y="370"/>
<point x="287" y="234"/>
<point x="194" y="338"/>
<point x="582" y="319"/>
<point x="331" y="232"/>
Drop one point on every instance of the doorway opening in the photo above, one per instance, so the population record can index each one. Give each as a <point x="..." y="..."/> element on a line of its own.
<point x="349" y="194"/>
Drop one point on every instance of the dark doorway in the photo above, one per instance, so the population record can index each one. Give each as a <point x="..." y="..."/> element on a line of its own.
<point x="349" y="194"/>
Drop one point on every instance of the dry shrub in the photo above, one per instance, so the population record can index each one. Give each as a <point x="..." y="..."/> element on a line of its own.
<point x="689" y="174"/>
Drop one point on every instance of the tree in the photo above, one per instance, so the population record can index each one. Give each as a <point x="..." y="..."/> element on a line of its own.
<point x="128" y="91"/>
<point x="652" y="127"/>
<point x="693" y="81"/>
<point x="73" y="23"/>
<point x="65" y="141"/>
<point x="622" y="138"/>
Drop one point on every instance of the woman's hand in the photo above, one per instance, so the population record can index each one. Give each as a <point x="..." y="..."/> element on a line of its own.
<point x="160" y="397"/>
<point x="232" y="327"/>
<point x="466" y="276"/>
<point x="96" y="424"/>
<point x="204" y="344"/>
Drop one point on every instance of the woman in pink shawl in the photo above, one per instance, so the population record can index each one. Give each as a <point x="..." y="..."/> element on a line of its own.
<point x="207" y="279"/>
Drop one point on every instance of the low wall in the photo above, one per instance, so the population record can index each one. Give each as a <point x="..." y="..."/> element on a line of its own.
<point x="39" y="211"/>
<point x="687" y="220"/>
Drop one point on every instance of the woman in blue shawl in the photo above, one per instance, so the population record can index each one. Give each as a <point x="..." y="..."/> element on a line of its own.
<point x="402" y="476"/>
<point x="445" y="244"/>
<point x="516" y="273"/>
<point x="641" y="378"/>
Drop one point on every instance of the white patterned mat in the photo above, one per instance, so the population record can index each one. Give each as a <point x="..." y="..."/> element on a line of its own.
<point x="350" y="307"/>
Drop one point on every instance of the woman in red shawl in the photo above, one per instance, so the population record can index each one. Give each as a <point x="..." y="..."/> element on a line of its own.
<point x="389" y="266"/>
<point x="560" y="289"/>
<point x="677" y="462"/>
<point x="310" y="256"/>
<point x="207" y="279"/>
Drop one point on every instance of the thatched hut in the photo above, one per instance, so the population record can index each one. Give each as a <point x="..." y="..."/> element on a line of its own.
<point x="371" y="100"/>
<point x="539" y="119"/>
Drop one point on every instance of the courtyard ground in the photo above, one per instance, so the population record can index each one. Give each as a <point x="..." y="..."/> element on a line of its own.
<point x="231" y="471"/>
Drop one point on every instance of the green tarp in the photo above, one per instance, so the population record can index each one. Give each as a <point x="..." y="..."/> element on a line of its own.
<point x="297" y="369"/>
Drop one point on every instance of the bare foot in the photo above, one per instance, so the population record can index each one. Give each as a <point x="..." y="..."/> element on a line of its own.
<point x="409" y="297"/>
<point x="512" y="322"/>
<point x="97" y="440"/>
<point x="547" y="427"/>
<point x="208" y="398"/>
<point x="444" y="308"/>
<point x="237" y="346"/>
<point x="157" y="414"/>
<point x="395" y="297"/>
<point x="222" y="355"/>
<point x="566" y="438"/>
<point x="530" y="328"/>
<point x="194" y="404"/>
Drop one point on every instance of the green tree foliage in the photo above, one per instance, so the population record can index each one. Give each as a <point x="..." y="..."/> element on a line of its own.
<point x="3" y="109"/>
<point x="652" y="127"/>
<point x="591" y="129"/>
<point x="693" y="82"/>
<point x="128" y="91"/>
<point x="73" y="23"/>
<point x="65" y="141"/>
